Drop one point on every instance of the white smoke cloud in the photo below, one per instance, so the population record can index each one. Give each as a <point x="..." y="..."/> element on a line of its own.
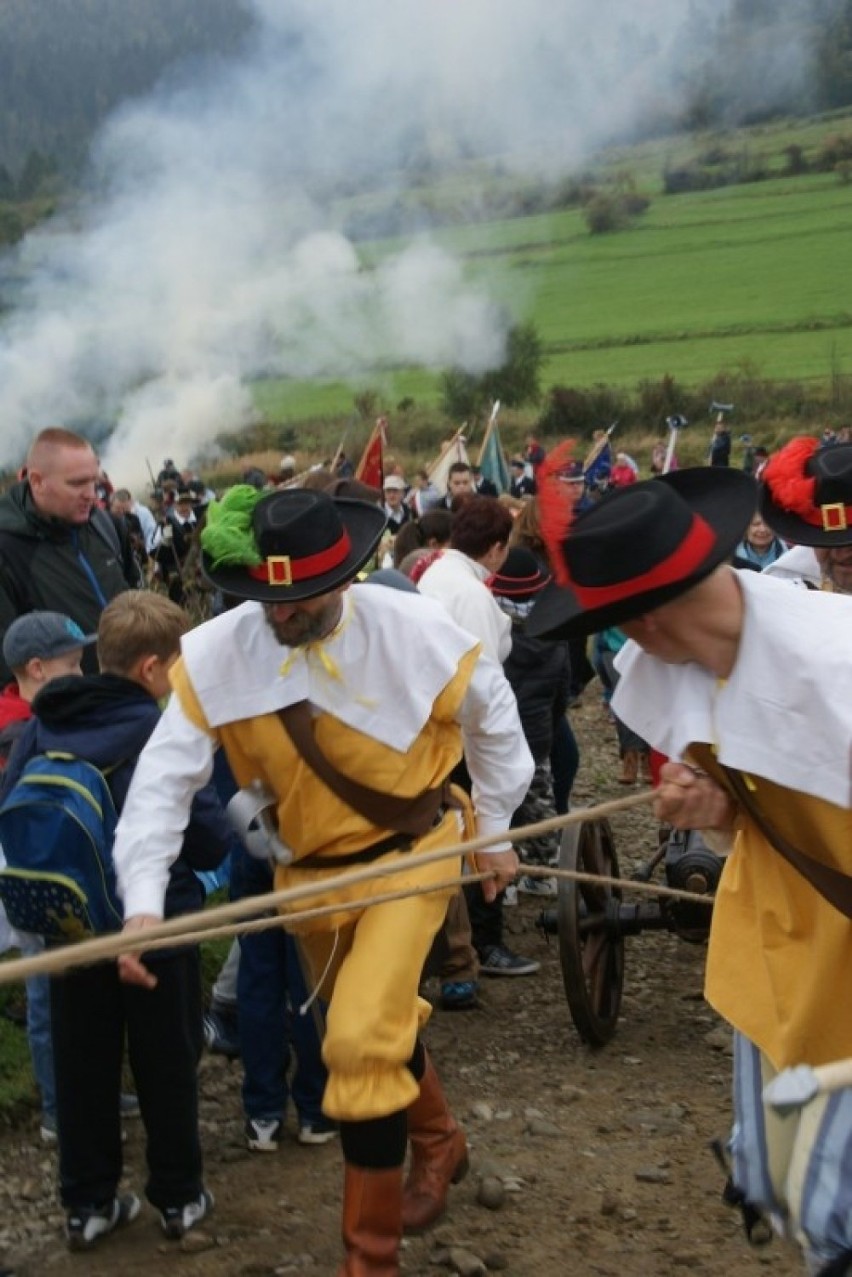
<point x="206" y="253"/>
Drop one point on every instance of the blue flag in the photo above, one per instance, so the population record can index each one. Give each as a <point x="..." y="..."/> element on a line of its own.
<point x="492" y="461"/>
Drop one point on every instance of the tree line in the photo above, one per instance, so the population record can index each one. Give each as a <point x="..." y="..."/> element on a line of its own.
<point x="66" y="64"/>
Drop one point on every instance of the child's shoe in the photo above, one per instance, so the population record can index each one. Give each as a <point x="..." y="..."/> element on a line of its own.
<point x="263" y="1134"/>
<point x="85" y="1225"/>
<point x="48" y="1130"/>
<point x="459" y="995"/>
<point x="317" y="1131"/>
<point x="221" y="1032"/>
<point x="176" y="1221"/>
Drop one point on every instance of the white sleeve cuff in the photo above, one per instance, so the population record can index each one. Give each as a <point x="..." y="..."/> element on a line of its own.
<point x="144" y="897"/>
<point x="487" y="826"/>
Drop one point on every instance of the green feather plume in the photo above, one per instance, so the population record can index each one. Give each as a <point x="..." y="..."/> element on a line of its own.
<point x="228" y="537"/>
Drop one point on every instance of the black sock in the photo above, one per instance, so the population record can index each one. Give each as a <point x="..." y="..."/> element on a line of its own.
<point x="377" y="1144"/>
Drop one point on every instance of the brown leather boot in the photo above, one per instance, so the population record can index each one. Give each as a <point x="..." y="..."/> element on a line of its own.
<point x="438" y="1155"/>
<point x="629" y="767"/>
<point x="372" y="1222"/>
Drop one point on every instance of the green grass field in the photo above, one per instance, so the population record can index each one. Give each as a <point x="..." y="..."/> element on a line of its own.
<point x="753" y="275"/>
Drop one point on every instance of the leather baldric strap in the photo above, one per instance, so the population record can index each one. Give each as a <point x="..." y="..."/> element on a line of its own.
<point x="406" y="815"/>
<point x="832" y="885"/>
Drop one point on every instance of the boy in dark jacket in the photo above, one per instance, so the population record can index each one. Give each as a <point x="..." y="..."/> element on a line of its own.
<point x="106" y="719"/>
<point x="540" y="676"/>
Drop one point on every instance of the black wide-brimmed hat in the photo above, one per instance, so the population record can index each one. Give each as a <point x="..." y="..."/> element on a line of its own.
<point x="806" y="492"/>
<point x="642" y="546"/>
<point x="288" y="545"/>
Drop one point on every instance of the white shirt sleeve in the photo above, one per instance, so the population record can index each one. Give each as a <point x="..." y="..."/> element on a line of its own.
<point x="176" y="762"/>
<point x="496" y="752"/>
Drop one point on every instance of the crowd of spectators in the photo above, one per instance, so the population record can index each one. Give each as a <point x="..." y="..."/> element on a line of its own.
<point x="71" y="544"/>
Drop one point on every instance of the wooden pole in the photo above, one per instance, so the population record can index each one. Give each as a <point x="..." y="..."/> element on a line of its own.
<point x="193" y="927"/>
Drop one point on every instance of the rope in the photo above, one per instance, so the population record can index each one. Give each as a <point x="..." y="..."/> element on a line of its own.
<point x="215" y="922"/>
<point x="649" y="888"/>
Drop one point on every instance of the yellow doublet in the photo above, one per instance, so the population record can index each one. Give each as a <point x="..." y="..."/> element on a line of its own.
<point x="779" y="952"/>
<point x="374" y="956"/>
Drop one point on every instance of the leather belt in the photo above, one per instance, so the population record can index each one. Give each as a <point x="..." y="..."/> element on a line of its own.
<point x="393" y="842"/>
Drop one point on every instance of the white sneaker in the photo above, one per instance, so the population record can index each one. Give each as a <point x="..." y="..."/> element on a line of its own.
<point x="176" y="1221"/>
<point x="263" y="1134"/>
<point x="48" y="1131"/>
<point x="84" y="1226"/>
<point x="316" y="1132"/>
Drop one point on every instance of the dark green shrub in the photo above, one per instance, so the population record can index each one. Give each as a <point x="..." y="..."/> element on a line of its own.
<point x="606" y="213"/>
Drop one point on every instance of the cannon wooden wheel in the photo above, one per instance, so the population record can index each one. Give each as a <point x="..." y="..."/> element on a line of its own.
<point x="591" y="948"/>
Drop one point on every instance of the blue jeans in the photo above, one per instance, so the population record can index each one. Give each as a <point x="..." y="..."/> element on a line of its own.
<point x="39" y="1036"/>
<point x="270" y="991"/>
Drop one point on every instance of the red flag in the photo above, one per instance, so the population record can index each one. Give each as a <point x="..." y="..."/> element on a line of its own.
<point x="371" y="467"/>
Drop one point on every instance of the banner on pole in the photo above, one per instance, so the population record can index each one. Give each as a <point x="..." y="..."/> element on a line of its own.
<point x="371" y="467"/>
<point x="453" y="450"/>
<point x="492" y="458"/>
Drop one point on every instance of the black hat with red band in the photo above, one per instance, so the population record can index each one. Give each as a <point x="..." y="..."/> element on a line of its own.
<point x="302" y="544"/>
<point x="642" y="546"/>
<point x="521" y="578"/>
<point x="806" y="492"/>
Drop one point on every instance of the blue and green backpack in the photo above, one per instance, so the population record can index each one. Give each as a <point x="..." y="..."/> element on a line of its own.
<point x="57" y="826"/>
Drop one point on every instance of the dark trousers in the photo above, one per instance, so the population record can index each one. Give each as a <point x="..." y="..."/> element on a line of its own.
<point x="564" y="762"/>
<point x="91" y="1011"/>
<point x="581" y="668"/>
<point x="486" y="920"/>
<point x="270" y="990"/>
<point x="627" y="738"/>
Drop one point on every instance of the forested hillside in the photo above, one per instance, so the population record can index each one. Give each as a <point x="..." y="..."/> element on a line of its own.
<point x="64" y="64"/>
<point x="763" y="58"/>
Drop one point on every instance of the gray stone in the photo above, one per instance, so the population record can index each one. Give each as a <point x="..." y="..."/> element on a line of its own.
<point x="491" y="1193"/>
<point x="196" y="1241"/>
<point x="465" y="1263"/>
<point x="609" y="1204"/>
<point x="571" y="1094"/>
<point x="542" y="1128"/>
<point x="720" y="1039"/>
<point x="653" y="1175"/>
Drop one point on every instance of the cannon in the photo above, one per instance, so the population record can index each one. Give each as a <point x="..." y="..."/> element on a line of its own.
<point x="592" y="920"/>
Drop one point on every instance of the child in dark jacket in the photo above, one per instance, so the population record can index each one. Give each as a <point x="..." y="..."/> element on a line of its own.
<point x="540" y="676"/>
<point x="106" y="719"/>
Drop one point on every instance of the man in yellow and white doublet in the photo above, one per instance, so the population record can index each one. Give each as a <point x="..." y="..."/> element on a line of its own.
<point x="745" y="684"/>
<point x="397" y="692"/>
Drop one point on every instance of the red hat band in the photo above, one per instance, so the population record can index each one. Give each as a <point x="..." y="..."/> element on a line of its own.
<point x="689" y="555"/>
<point x="283" y="569"/>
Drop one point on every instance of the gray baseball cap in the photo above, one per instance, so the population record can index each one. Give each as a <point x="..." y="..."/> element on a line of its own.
<point x="42" y="634"/>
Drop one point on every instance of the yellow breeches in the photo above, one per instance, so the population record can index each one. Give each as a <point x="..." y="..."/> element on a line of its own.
<point x="368" y="964"/>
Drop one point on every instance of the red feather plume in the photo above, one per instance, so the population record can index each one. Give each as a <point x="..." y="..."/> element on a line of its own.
<point x="784" y="475"/>
<point x="557" y="495"/>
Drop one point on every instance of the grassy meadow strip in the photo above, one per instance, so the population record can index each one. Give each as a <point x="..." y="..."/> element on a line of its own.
<point x="753" y="275"/>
